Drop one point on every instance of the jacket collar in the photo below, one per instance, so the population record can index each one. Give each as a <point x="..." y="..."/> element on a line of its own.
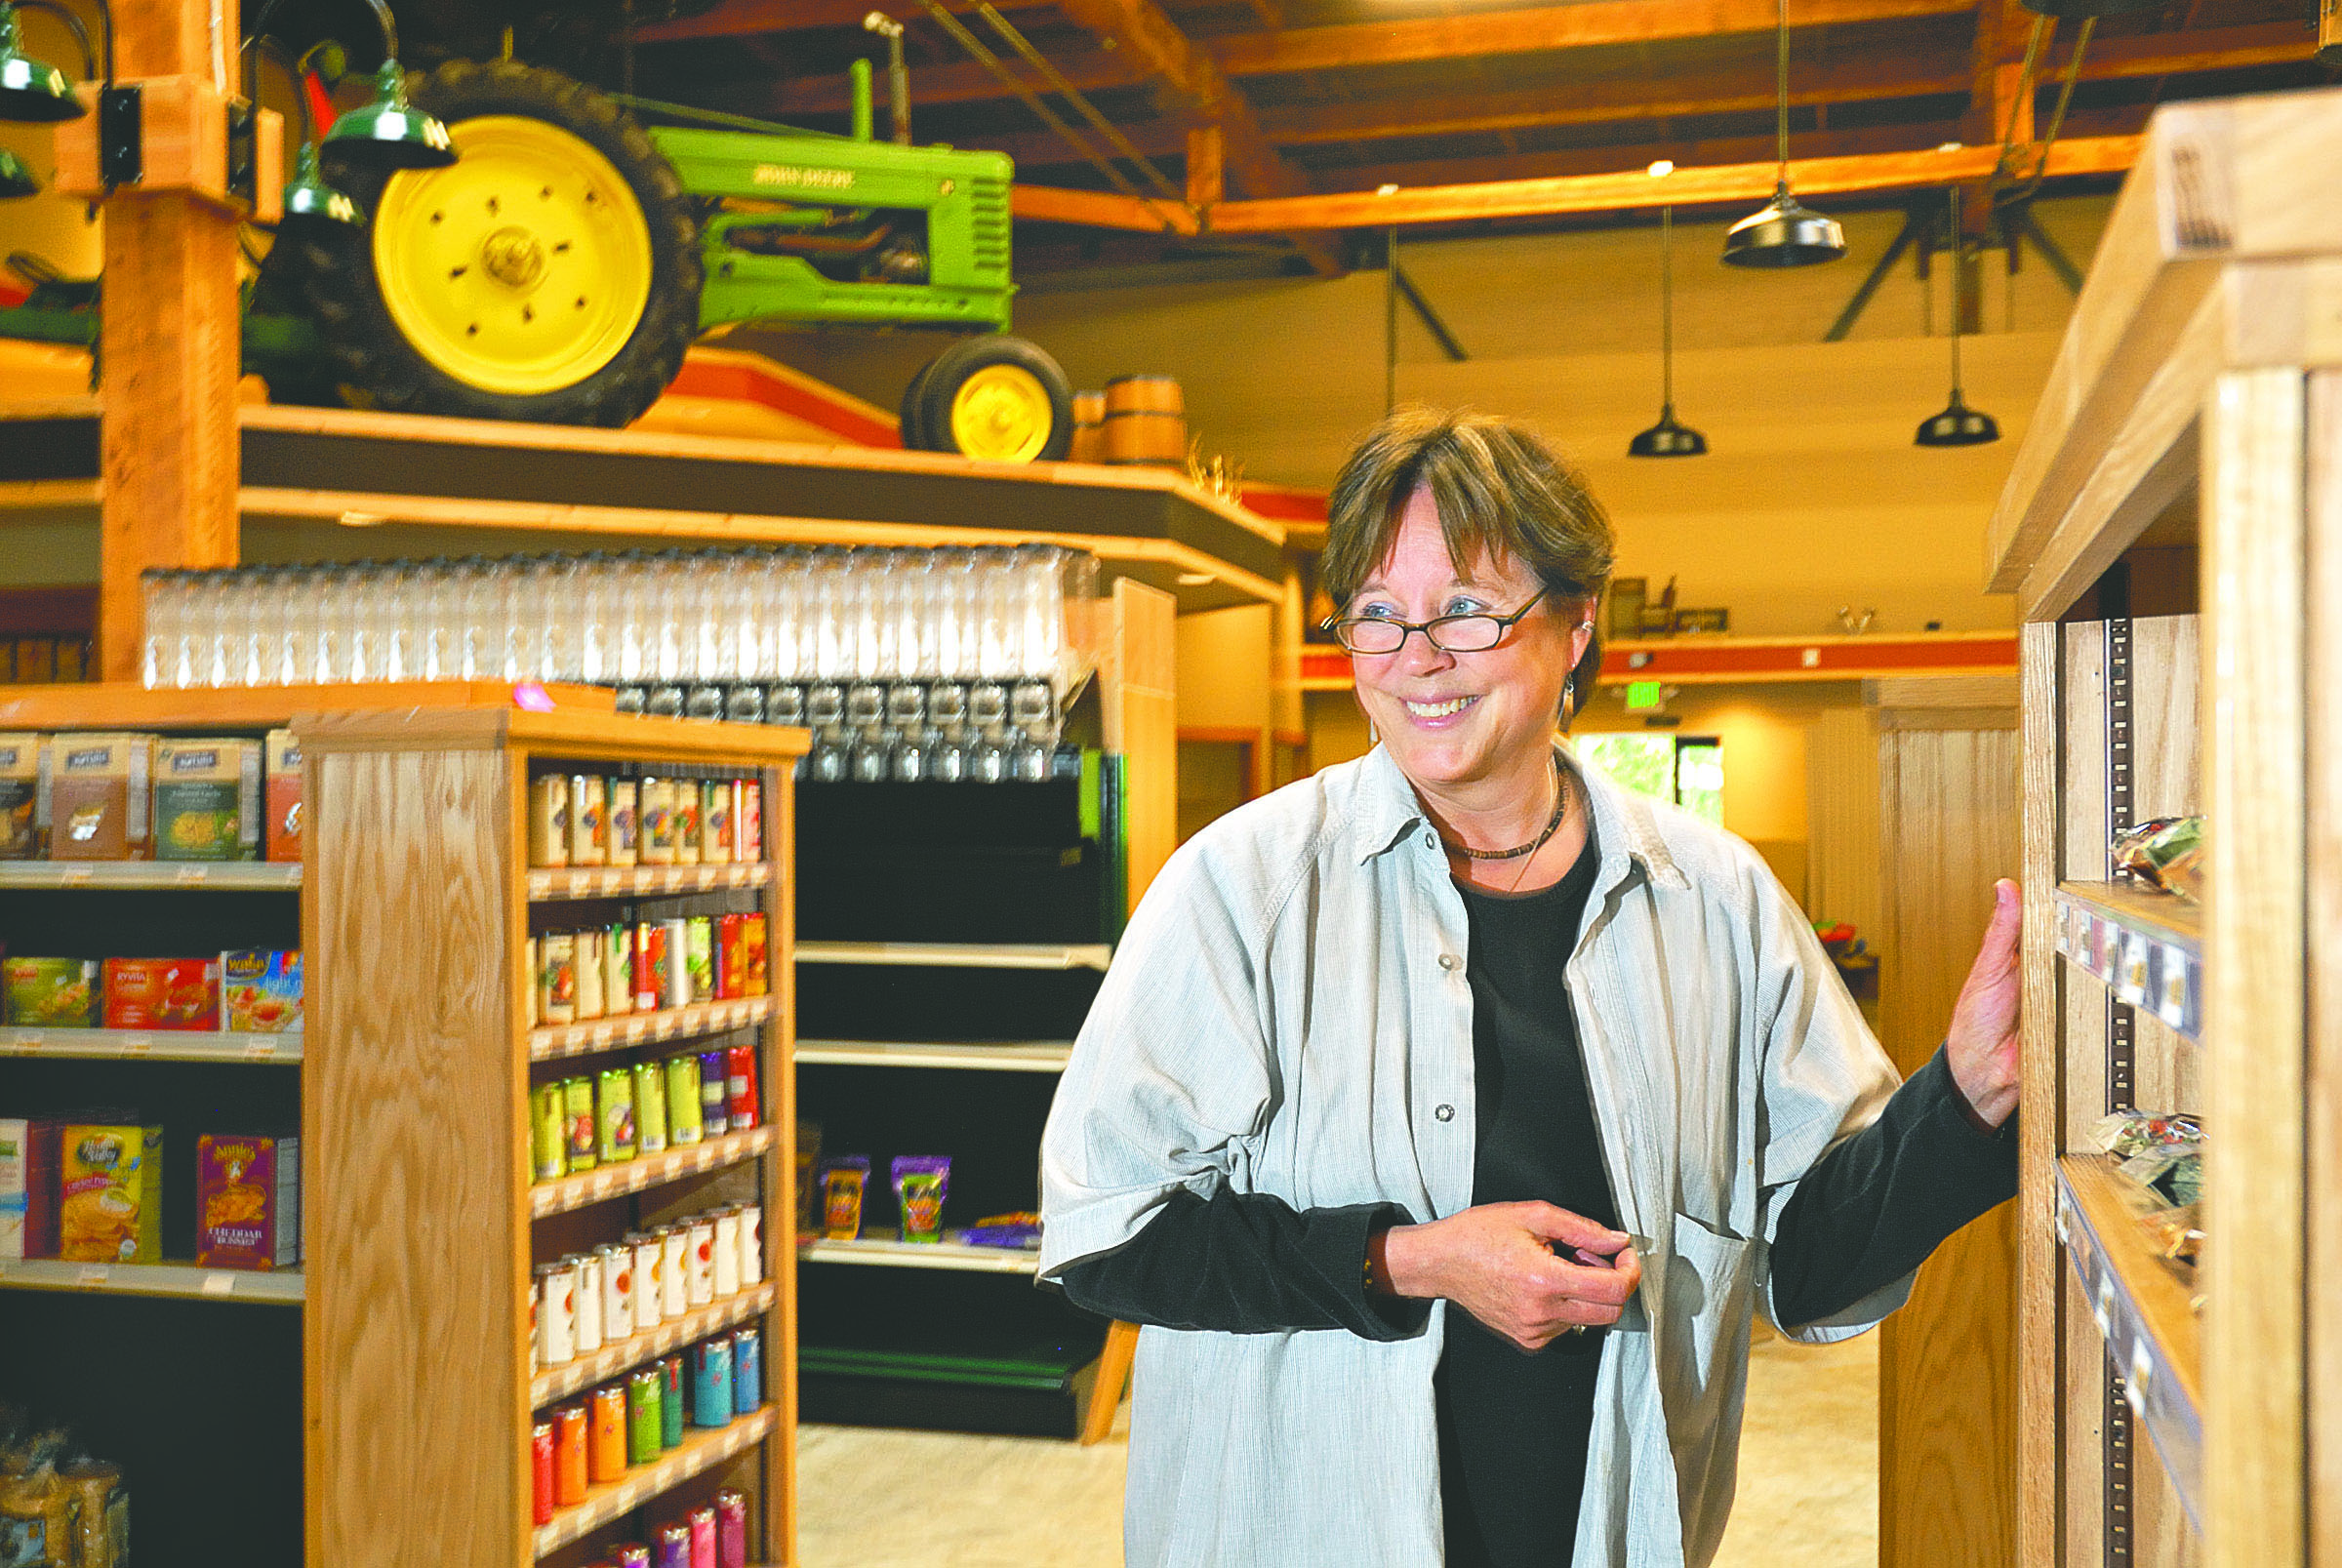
<point x="1624" y="828"/>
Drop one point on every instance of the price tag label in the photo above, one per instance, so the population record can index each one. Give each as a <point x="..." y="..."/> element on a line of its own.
<point x="2130" y="980"/>
<point x="2065" y="917"/>
<point x="636" y="1028"/>
<point x="2172" y="1003"/>
<point x="540" y="885"/>
<point x="611" y="882"/>
<point x="73" y="876"/>
<point x="93" y="1278"/>
<point x="138" y="1044"/>
<point x="706" y="878"/>
<point x="28" y="1041"/>
<point x="604" y="1033"/>
<point x="260" y="1050"/>
<point x="602" y="1182"/>
<point x="188" y="874"/>
<point x="219" y="1283"/>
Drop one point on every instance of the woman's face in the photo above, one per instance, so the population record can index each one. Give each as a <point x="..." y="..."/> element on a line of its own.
<point x="1455" y="719"/>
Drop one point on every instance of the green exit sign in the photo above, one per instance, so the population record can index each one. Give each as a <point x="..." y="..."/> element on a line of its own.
<point x="1642" y="696"/>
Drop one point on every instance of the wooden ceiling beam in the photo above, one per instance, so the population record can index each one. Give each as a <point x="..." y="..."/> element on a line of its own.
<point x="1140" y="31"/>
<point x="741" y="18"/>
<point x="1090" y="70"/>
<point x="1542" y="31"/>
<point x="1637" y="190"/>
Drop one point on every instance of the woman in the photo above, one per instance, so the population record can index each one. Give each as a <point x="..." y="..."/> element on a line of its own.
<point x="1447" y="1115"/>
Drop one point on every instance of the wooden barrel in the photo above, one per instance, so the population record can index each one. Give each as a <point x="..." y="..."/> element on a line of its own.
<point x="1089" y="436"/>
<point x="1146" y="422"/>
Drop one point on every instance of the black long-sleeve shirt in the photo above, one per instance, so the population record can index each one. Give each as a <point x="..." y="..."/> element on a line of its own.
<point x="1515" y="1428"/>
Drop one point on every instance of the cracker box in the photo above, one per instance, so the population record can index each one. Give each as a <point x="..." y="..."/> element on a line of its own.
<point x="20" y="797"/>
<point x="207" y="800"/>
<point x="259" y="991"/>
<point x="281" y="796"/>
<point x="100" y="797"/>
<point x="247" y="1201"/>
<point x="27" y="1189"/>
<point x="57" y="993"/>
<point x="111" y="1195"/>
<point x="162" y="993"/>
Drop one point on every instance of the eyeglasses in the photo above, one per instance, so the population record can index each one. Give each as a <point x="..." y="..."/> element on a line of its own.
<point x="1454" y="635"/>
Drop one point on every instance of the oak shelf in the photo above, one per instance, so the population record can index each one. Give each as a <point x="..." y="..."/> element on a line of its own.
<point x="584" y="1371"/>
<point x="221" y="876"/>
<point x="1005" y="1056"/>
<point x="959" y="954"/>
<point x="554" y="1041"/>
<point x="280" y="1287"/>
<point x="615" y="1500"/>
<point x="154" y="1045"/>
<point x="564" y="1194"/>
<point x="886" y="1254"/>
<point x="2146" y="946"/>
<point x="549" y="885"/>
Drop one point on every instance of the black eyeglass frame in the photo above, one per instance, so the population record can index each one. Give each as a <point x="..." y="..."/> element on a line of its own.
<point x="1338" y="625"/>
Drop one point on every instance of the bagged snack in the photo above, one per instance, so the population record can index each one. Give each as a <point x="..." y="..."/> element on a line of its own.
<point x="2124" y="1133"/>
<point x="110" y="1208"/>
<point x="843" y="1177"/>
<point x="207" y="800"/>
<point x="247" y="1202"/>
<point x="2173" y="1172"/>
<point x="60" y="993"/>
<point x="162" y="993"/>
<point x="99" y="797"/>
<point x="259" y="991"/>
<point x="1020" y="1229"/>
<point x="921" y="1182"/>
<point x="20" y="797"/>
<point x="2166" y="853"/>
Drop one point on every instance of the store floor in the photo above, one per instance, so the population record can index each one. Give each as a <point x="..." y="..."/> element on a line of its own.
<point x="873" y="1499"/>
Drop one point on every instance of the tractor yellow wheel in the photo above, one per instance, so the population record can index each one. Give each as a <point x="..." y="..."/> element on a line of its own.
<point x="1001" y="414"/>
<point x="523" y="267"/>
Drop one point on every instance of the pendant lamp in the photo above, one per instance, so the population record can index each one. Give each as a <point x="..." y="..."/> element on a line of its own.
<point x="1786" y="232"/>
<point x="389" y="132"/>
<point x="311" y="205"/>
<point x="34" y="92"/>
<point x="17" y="178"/>
<point x="1667" y="438"/>
<point x="1957" y="425"/>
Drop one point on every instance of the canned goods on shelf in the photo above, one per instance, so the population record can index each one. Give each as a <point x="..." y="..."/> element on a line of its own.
<point x="548" y="820"/>
<point x="541" y="1472"/>
<point x="619" y="821"/>
<point x="644" y="1423"/>
<point x="588" y="1269"/>
<point x="751" y="1244"/>
<point x="588" y="845"/>
<point x="649" y="1307"/>
<point x="674" y="1270"/>
<point x="606" y="1435"/>
<point x="617" y="1290"/>
<point x="549" y="1124"/>
<point x="556" y="1313"/>
<point x="715" y="1118"/>
<point x="570" y="1469"/>
<point x="656" y="823"/>
<point x="726" y="1262"/>
<point x="715" y="822"/>
<point x="699" y="1263"/>
<point x="712" y="1382"/>
<point x="685" y="793"/>
<point x="747" y="1370"/>
<point x="684" y="1125"/>
<point x="577" y="1102"/>
<point x="671" y="1372"/>
<point x="731" y="1529"/>
<point x="650" y="1108"/>
<point x="614" y="1103"/>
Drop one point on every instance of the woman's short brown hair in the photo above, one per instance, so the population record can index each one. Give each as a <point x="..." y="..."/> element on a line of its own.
<point x="1499" y="486"/>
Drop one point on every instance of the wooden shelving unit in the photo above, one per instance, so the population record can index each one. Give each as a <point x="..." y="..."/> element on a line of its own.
<point x="285" y="1288"/>
<point x="420" y="891"/>
<point x="154" y="1045"/>
<point x="2173" y="529"/>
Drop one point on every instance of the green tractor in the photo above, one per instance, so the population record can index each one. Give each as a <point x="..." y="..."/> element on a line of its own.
<point x="558" y="268"/>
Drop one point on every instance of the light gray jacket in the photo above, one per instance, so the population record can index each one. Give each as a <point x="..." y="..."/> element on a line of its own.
<point x="1289" y="1014"/>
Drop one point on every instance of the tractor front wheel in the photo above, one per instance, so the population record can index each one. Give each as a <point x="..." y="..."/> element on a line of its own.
<point x="998" y="399"/>
<point x="552" y="274"/>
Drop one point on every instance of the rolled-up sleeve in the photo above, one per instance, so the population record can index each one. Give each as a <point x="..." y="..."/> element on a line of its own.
<point x="1170" y="1082"/>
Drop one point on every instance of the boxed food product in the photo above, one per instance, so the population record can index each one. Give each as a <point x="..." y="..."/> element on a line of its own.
<point x="100" y="789"/>
<point x="28" y="1187"/>
<point x="281" y="787"/>
<point x="162" y="993"/>
<point x="111" y="1195"/>
<point x="20" y="797"/>
<point x="207" y="800"/>
<point x="247" y="1201"/>
<point x="58" y="993"/>
<point x="259" y="991"/>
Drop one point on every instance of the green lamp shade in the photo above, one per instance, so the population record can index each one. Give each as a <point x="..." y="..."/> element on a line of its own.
<point x="17" y="178"/>
<point x="1787" y="233"/>
<point x="1957" y="425"/>
<point x="31" y="92"/>
<point x="312" y="205"/>
<point x="391" y="133"/>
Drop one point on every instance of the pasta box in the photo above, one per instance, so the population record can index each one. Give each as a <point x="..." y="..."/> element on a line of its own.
<point x="281" y="796"/>
<point x="247" y="1201"/>
<point x="259" y="991"/>
<point x="207" y="800"/>
<point x="162" y="993"/>
<point x="99" y="797"/>
<point x="20" y="797"/>
<point x="111" y="1195"/>
<point x="58" y="993"/>
<point x="27" y="1189"/>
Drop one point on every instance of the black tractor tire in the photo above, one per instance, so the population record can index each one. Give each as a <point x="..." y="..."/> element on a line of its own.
<point x="940" y="384"/>
<point x="916" y="436"/>
<point x="378" y="365"/>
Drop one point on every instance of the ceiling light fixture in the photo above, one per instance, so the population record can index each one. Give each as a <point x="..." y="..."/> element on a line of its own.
<point x="1785" y="233"/>
<point x="1957" y="425"/>
<point x="34" y="92"/>
<point x="1667" y="438"/>
<point x="389" y="132"/>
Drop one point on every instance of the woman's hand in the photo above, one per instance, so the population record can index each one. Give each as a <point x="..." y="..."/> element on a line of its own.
<point x="1531" y="1272"/>
<point x="1982" y="1042"/>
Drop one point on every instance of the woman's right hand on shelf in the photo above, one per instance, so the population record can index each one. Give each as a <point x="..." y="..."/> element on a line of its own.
<point x="1530" y="1271"/>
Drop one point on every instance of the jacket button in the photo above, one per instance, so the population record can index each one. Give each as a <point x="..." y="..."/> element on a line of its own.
<point x="1445" y="1112"/>
<point x="1449" y="962"/>
<point x="1431" y="841"/>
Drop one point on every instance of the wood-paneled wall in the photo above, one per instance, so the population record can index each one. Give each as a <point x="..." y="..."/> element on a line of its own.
<point x="1948" y="826"/>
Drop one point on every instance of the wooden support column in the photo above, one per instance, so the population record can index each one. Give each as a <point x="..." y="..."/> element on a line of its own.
<point x="169" y="352"/>
<point x="1207" y="165"/>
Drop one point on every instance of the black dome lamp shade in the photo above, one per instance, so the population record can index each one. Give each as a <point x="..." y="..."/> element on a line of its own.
<point x="1786" y="232"/>
<point x="1957" y="425"/>
<point x="1667" y="438"/>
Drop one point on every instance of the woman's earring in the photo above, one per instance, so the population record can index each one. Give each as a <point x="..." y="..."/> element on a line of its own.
<point x="1569" y="693"/>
